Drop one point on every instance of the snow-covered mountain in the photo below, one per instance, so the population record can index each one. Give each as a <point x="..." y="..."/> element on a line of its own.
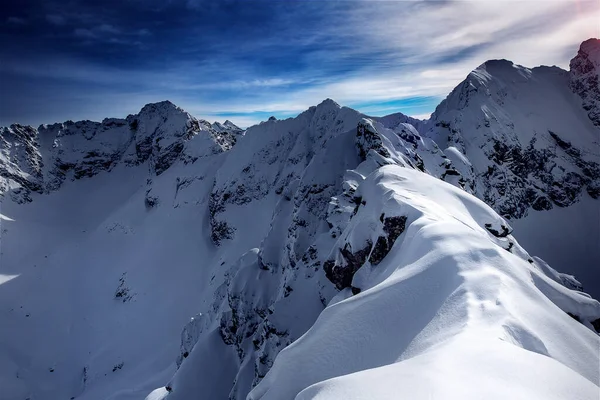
<point x="331" y="255"/>
<point x="40" y="160"/>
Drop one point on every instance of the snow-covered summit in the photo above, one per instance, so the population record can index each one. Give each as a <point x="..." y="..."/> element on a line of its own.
<point x="329" y="104"/>
<point x="529" y="141"/>
<point x="161" y="133"/>
<point x="226" y="126"/>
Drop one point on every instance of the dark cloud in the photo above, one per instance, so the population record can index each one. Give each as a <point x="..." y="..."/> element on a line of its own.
<point x="56" y="19"/>
<point x="16" y="21"/>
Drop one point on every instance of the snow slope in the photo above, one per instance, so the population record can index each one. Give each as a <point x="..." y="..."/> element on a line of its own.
<point x="533" y="142"/>
<point x="101" y="286"/>
<point x="316" y="256"/>
<point x="103" y="268"/>
<point x="448" y="313"/>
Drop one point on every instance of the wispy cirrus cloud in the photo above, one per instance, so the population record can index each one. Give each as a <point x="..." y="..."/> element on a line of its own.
<point x="249" y="59"/>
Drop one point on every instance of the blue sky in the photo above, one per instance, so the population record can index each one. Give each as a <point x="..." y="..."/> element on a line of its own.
<point x="247" y="60"/>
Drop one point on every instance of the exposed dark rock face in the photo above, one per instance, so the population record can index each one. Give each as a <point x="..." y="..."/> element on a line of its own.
<point x="534" y="178"/>
<point x="220" y="230"/>
<point x="450" y="172"/>
<point x="75" y="150"/>
<point x="341" y="275"/>
<point x="143" y="150"/>
<point x="367" y="139"/>
<point x="150" y="201"/>
<point x="161" y="134"/>
<point x="379" y="251"/>
<point x="167" y="157"/>
<point x="340" y="270"/>
<point x="505" y="231"/>
<point x="19" y="147"/>
<point x="596" y="325"/>
<point x="585" y="68"/>
<point x="393" y="227"/>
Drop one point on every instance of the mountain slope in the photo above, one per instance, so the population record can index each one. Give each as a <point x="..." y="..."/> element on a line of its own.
<point x="319" y="237"/>
<point x="532" y="142"/>
<point x="448" y="306"/>
<point x="526" y="154"/>
<point x="160" y="134"/>
<point x="101" y="271"/>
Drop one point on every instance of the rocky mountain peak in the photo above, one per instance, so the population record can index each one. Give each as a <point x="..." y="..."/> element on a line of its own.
<point x="585" y="69"/>
<point x="40" y="160"/>
<point x="231" y="125"/>
<point x="226" y="126"/>
<point x="161" y="107"/>
<point x="328" y="103"/>
<point x="496" y="65"/>
<point x="503" y="116"/>
<point x="591" y="49"/>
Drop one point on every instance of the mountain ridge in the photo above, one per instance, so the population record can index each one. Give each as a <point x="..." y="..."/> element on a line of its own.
<point x="270" y="235"/>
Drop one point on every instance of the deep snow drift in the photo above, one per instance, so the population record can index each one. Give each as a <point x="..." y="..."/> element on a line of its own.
<point x="331" y="255"/>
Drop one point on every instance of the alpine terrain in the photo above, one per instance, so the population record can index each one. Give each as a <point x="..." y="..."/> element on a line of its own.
<point x="333" y="255"/>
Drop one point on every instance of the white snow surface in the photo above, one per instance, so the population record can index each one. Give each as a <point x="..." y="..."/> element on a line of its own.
<point x="449" y="313"/>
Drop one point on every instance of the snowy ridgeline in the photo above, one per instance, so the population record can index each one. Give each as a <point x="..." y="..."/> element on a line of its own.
<point x="331" y="255"/>
<point x="452" y="311"/>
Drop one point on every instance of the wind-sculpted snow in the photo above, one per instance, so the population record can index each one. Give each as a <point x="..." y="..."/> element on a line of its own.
<point x="294" y="167"/>
<point x="449" y="312"/>
<point x="207" y="261"/>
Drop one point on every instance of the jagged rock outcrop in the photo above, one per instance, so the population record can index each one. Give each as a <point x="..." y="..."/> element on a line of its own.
<point x="341" y="273"/>
<point x="502" y="117"/>
<point x="392" y="227"/>
<point x="367" y="139"/>
<point x="585" y="81"/>
<point x="275" y="156"/>
<point x="73" y="150"/>
<point x="160" y="134"/>
<point x="20" y="162"/>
